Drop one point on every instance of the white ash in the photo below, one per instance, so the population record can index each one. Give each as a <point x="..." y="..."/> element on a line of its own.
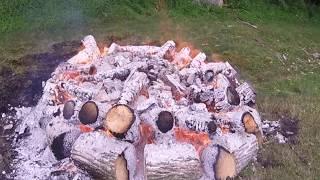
<point x="194" y="117"/>
<point x="172" y="160"/>
<point x="246" y="93"/>
<point x="234" y="117"/>
<point x="95" y="152"/>
<point x="272" y="130"/>
<point x="193" y="90"/>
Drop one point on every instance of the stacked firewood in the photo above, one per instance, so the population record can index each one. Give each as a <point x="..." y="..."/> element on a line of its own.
<point x="138" y="112"/>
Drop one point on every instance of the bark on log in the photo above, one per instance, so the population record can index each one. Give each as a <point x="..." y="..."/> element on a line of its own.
<point x="193" y="119"/>
<point x="228" y="155"/>
<point x="143" y="51"/>
<point x="132" y="87"/>
<point x="174" y="161"/>
<point x="242" y="119"/>
<point x="247" y="94"/>
<point x="101" y="156"/>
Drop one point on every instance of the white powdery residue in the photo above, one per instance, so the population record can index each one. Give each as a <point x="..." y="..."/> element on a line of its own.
<point x="157" y="154"/>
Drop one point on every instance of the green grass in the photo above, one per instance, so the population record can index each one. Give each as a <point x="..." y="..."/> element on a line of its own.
<point x="289" y="85"/>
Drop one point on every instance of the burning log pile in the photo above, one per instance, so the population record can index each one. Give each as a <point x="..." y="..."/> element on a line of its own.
<point x="139" y="112"/>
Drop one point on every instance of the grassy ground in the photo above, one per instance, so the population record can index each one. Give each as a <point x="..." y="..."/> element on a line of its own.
<point x="276" y="57"/>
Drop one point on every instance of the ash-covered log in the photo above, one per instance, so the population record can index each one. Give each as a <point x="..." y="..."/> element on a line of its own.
<point x="228" y="155"/>
<point x="88" y="54"/>
<point x="105" y="157"/>
<point x="172" y="161"/>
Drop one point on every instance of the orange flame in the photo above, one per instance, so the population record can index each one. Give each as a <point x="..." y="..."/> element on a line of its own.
<point x="85" y="129"/>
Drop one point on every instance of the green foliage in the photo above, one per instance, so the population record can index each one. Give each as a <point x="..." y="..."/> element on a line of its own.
<point x="28" y="14"/>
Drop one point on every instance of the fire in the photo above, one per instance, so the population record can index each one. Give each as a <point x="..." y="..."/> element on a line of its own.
<point x="85" y="129"/>
<point x="198" y="140"/>
<point x="193" y="51"/>
<point x="71" y="75"/>
<point x="146" y="132"/>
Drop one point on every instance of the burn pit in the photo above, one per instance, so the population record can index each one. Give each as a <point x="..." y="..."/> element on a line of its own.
<point x="139" y="112"/>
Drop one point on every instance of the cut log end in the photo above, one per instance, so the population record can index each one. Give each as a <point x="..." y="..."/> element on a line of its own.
<point x="121" y="171"/>
<point x="249" y="123"/>
<point x="225" y="167"/>
<point x="208" y="76"/>
<point x="88" y="113"/>
<point x="212" y="127"/>
<point x="165" y="121"/>
<point x="119" y="119"/>
<point x="233" y="96"/>
<point x="68" y="109"/>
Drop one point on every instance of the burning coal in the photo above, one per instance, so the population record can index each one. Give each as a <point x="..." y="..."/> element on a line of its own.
<point x="139" y="112"/>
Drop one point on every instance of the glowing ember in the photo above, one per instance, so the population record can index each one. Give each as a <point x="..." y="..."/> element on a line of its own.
<point x="198" y="139"/>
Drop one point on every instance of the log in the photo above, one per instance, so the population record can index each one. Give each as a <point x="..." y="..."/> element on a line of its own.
<point x="228" y="155"/>
<point x="88" y="54"/>
<point x="56" y="127"/>
<point x="172" y="161"/>
<point x="182" y="59"/>
<point x="119" y="119"/>
<point x="132" y="87"/>
<point x="198" y="61"/>
<point x="243" y="119"/>
<point x="121" y="73"/>
<point x="168" y="46"/>
<point x="104" y="157"/>
<point x="62" y="144"/>
<point x="221" y="93"/>
<point x="193" y="119"/>
<point x="247" y="94"/>
<point x="82" y="92"/>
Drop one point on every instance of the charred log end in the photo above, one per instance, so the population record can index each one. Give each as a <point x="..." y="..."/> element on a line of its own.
<point x="68" y="109"/>
<point x="119" y="119"/>
<point x="58" y="148"/>
<point x="61" y="145"/>
<point x="233" y="96"/>
<point x="165" y="121"/>
<point x="168" y="55"/>
<point x="121" y="171"/>
<point x="208" y="76"/>
<point x="121" y="76"/>
<point x="249" y="123"/>
<point x="92" y="70"/>
<point x="225" y="167"/>
<point x="88" y="113"/>
<point x="212" y="127"/>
